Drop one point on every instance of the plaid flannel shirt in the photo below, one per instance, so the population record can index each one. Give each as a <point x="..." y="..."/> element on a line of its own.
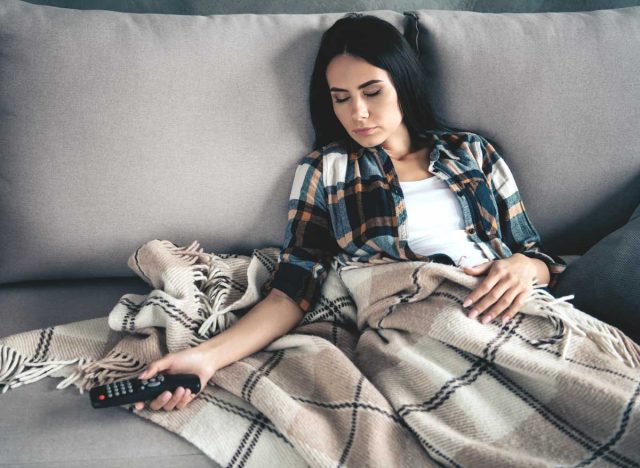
<point x="348" y="207"/>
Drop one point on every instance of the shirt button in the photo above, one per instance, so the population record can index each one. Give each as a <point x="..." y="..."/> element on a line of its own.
<point x="470" y="230"/>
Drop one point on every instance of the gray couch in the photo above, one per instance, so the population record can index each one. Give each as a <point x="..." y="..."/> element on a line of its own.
<point x="118" y="127"/>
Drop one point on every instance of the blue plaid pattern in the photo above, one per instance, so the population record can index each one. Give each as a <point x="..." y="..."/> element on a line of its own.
<point x="347" y="206"/>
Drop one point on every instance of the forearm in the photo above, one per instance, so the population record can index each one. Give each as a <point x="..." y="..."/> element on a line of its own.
<point x="267" y="321"/>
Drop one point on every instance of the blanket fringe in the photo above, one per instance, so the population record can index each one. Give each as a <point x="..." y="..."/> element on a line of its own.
<point x="212" y="286"/>
<point x="18" y="370"/>
<point x="114" y="366"/>
<point x="212" y="293"/>
<point x="192" y="253"/>
<point x="569" y="320"/>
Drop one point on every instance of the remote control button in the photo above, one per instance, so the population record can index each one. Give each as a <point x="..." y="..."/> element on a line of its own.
<point x="153" y="384"/>
<point x="161" y="378"/>
<point x="101" y="397"/>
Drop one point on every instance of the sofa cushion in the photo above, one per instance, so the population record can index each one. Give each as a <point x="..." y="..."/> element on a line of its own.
<point x="557" y="94"/>
<point x="118" y="128"/>
<point x="44" y="426"/>
<point x="606" y="279"/>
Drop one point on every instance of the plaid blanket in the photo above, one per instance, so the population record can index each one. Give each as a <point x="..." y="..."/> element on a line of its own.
<point x="385" y="370"/>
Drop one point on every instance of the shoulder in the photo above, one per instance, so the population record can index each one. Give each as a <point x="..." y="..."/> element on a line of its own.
<point x="318" y="157"/>
<point x="471" y="145"/>
<point x="461" y="140"/>
<point x="329" y="163"/>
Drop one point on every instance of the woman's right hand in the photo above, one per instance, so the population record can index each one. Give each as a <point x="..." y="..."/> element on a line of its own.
<point x="188" y="361"/>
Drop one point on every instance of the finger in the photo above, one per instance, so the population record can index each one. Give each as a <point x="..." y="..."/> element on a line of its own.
<point x="160" y="401"/>
<point x="155" y="367"/>
<point x="187" y="397"/>
<point x="139" y="405"/>
<point x="473" y="300"/>
<point x="490" y="298"/>
<point x="175" y="399"/>
<point x="515" y="306"/>
<point x="478" y="269"/>
<point x="501" y="304"/>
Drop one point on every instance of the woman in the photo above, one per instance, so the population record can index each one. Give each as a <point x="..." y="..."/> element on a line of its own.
<point x="385" y="182"/>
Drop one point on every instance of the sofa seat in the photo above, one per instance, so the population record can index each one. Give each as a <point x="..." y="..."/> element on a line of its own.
<point x="43" y="426"/>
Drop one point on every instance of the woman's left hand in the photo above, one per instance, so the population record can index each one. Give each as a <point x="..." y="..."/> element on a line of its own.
<point x="508" y="284"/>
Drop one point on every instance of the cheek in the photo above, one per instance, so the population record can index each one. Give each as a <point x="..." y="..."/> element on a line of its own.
<point x="341" y="113"/>
<point x="392" y="107"/>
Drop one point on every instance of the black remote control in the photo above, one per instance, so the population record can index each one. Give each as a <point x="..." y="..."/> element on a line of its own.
<point x="130" y="391"/>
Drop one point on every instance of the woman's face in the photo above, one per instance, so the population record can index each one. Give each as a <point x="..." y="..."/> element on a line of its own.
<point x="363" y="96"/>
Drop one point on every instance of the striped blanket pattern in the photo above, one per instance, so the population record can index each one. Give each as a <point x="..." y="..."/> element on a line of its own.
<point x="385" y="370"/>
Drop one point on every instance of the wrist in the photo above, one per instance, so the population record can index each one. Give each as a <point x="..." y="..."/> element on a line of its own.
<point x="539" y="269"/>
<point x="211" y="354"/>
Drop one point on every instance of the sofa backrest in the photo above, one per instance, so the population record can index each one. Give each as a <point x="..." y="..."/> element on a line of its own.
<point x="559" y="96"/>
<point x="118" y="128"/>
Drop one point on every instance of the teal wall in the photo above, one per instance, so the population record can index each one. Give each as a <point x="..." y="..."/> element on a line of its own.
<point x="211" y="7"/>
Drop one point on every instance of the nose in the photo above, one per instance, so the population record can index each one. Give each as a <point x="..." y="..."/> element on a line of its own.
<point x="359" y="110"/>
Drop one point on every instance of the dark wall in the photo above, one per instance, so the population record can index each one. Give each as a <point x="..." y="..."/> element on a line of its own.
<point x="212" y="7"/>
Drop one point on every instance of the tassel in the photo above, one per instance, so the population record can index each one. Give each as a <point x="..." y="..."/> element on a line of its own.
<point x="607" y="338"/>
<point x="215" y="291"/>
<point x="114" y="361"/>
<point x="115" y="366"/>
<point x="75" y="378"/>
<point x="17" y="370"/>
<point x="193" y="252"/>
<point x="12" y="364"/>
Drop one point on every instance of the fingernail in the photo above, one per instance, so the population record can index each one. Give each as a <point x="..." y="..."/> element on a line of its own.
<point x="486" y="319"/>
<point x="466" y="303"/>
<point x="473" y="314"/>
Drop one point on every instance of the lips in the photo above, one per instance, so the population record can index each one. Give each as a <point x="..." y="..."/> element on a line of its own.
<point x="364" y="131"/>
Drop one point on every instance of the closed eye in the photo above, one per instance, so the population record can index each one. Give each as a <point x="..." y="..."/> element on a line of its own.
<point x="371" y="94"/>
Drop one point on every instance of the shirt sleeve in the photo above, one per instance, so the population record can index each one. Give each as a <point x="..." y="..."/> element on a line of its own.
<point x="309" y="244"/>
<point x="516" y="228"/>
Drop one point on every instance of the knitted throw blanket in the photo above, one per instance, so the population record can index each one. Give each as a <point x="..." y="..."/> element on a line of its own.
<point x="386" y="370"/>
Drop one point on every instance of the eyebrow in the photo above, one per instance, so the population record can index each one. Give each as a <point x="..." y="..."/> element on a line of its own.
<point x="363" y="85"/>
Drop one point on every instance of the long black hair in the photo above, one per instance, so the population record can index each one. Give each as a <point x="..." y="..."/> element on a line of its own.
<point x="382" y="45"/>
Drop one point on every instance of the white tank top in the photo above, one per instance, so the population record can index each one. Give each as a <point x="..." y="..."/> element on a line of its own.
<point x="435" y="222"/>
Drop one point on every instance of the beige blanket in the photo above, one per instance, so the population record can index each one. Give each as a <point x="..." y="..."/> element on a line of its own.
<point x="386" y="370"/>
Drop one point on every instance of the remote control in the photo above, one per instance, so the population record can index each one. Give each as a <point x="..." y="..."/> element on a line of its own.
<point x="130" y="391"/>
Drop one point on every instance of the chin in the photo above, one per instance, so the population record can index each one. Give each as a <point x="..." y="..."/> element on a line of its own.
<point x="369" y="142"/>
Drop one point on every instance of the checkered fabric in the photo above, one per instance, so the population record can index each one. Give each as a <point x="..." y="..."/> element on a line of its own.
<point x="385" y="369"/>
